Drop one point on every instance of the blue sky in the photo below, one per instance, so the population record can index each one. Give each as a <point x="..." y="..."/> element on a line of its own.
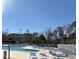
<point x="37" y="15"/>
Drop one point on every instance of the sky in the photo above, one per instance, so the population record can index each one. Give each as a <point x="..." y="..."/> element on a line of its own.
<point x="37" y="15"/>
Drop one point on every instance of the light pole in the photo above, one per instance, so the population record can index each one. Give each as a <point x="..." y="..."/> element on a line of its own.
<point x="9" y="51"/>
<point x="8" y="44"/>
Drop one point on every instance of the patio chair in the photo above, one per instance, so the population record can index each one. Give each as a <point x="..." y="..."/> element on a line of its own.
<point x="33" y="55"/>
<point x="43" y="55"/>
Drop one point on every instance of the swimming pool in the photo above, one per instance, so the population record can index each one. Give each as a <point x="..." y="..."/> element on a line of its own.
<point x="18" y="48"/>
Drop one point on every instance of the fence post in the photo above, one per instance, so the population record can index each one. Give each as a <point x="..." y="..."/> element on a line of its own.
<point x="5" y="55"/>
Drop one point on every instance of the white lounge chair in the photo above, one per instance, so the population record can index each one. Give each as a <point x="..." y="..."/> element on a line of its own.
<point x="58" y="53"/>
<point x="43" y="55"/>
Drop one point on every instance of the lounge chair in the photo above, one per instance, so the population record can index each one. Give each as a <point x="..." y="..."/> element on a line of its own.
<point x="59" y="58"/>
<point x="69" y="52"/>
<point x="33" y="55"/>
<point x="43" y="55"/>
<point x="58" y="53"/>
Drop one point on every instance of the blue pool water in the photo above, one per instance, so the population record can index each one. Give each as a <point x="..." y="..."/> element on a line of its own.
<point x="13" y="48"/>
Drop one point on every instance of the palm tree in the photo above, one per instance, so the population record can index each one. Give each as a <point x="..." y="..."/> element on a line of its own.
<point x="27" y="31"/>
<point x="60" y="32"/>
<point x="20" y="32"/>
<point x="49" y="35"/>
<point x="55" y="36"/>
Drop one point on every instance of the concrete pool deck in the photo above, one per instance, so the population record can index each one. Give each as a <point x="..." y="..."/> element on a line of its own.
<point x="22" y="55"/>
<point x="17" y="55"/>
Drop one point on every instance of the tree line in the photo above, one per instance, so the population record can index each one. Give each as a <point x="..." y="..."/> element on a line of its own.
<point x="61" y="35"/>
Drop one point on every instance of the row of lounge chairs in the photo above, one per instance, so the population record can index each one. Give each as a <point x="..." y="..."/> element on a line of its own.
<point x="41" y="55"/>
<point x="45" y="55"/>
<point x="57" y="53"/>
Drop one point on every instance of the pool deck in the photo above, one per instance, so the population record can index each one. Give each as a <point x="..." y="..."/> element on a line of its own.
<point x="22" y="55"/>
<point x="18" y="55"/>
